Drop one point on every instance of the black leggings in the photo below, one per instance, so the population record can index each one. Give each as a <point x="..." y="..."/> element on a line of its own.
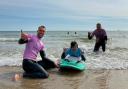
<point x="35" y="69"/>
<point x="97" y="46"/>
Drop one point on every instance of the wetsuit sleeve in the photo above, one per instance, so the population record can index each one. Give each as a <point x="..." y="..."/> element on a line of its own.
<point x="105" y="36"/>
<point x="46" y="63"/>
<point x="65" y="52"/>
<point x="82" y="55"/>
<point x="42" y="54"/>
<point x="63" y="55"/>
<point x="90" y="35"/>
<point x="22" y="41"/>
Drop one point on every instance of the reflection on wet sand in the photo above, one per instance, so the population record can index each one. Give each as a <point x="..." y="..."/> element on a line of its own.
<point x="88" y="79"/>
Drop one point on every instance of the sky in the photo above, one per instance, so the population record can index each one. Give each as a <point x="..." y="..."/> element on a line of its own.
<point x="60" y="15"/>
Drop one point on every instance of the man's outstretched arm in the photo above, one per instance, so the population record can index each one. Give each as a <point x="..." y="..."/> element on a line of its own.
<point x="22" y="41"/>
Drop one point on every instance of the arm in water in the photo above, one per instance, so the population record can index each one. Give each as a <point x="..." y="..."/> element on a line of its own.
<point x="46" y="62"/>
<point x="63" y="54"/>
<point x="42" y="54"/>
<point x="105" y="37"/>
<point x="83" y="57"/>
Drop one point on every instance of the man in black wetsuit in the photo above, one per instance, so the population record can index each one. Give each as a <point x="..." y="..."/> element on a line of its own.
<point x="101" y="37"/>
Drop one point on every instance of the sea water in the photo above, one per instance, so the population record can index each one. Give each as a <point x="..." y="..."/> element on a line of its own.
<point x="115" y="57"/>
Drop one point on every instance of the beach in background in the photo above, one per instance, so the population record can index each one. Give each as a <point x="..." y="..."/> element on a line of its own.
<point x="104" y="70"/>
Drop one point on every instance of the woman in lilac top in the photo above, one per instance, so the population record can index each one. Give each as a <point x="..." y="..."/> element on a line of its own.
<point x="34" y="45"/>
<point x="101" y="37"/>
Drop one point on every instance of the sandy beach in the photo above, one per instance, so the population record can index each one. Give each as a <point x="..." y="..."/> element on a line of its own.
<point x="89" y="79"/>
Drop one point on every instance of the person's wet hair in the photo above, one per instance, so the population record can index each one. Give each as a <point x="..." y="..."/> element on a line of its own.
<point x="98" y="24"/>
<point x="73" y="43"/>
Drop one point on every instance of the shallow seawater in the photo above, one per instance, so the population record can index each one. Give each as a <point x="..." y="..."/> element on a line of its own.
<point x="115" y="57"/>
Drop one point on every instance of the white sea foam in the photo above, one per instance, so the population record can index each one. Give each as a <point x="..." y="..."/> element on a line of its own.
<point x="8" y="39"/>
<point x="9" y="61"/>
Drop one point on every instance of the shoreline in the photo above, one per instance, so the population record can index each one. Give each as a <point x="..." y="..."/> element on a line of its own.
<point x="89" y="79"/>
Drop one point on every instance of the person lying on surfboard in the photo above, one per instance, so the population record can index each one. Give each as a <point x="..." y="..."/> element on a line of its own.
<point x="73" y="53"/>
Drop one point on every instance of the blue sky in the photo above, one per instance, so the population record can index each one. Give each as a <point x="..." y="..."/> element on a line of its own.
<point x="63" y="14"/>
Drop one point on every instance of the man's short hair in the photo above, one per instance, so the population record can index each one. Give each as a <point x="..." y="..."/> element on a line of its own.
<point x="41" y="27"/>
<point x="98" y="24"/>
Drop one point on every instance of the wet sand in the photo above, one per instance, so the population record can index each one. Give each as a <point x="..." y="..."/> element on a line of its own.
<point x="88" y="79"/>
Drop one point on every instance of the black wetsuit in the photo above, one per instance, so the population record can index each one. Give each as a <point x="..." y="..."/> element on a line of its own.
<point x="101" y="36"/>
